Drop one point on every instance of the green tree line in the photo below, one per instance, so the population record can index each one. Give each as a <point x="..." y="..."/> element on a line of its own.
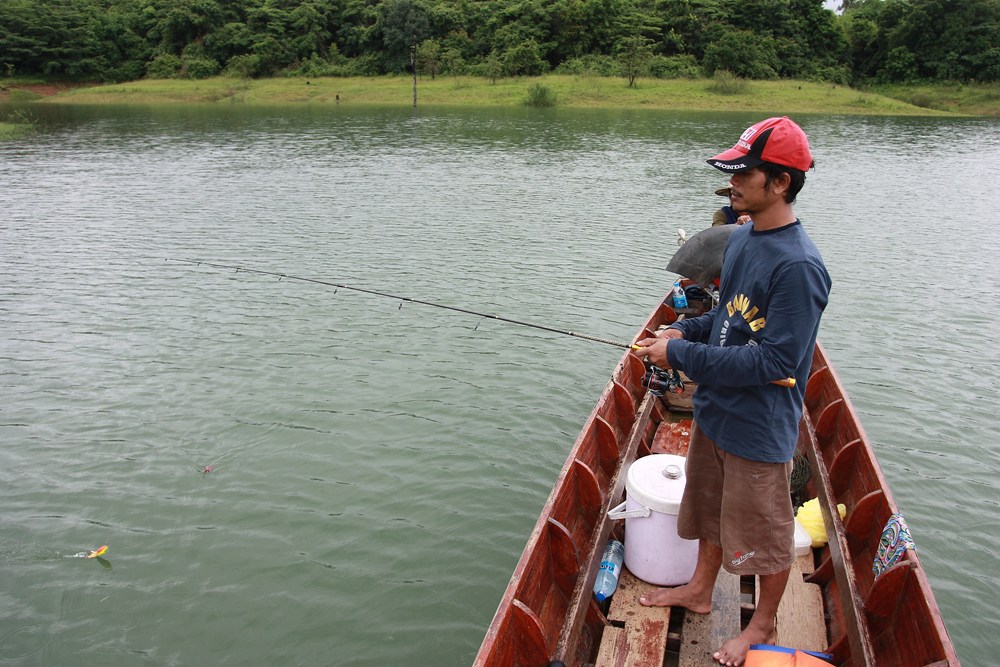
<point x="884" y="41"/>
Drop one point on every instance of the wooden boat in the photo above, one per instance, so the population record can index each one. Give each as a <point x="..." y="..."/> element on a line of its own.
<point x="834" y="603"/>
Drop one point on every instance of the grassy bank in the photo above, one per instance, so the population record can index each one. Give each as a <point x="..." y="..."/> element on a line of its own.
<point x="568" y="91"/>
<point x="971" y="99"/>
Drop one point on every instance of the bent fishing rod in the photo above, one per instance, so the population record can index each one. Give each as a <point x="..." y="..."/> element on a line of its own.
<point x="669" y="378"/>
<point x="401" y="299"/>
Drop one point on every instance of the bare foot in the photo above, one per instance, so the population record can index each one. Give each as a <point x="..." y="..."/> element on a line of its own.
<point x="682" y="596"/>
<point x="734" y="651"/>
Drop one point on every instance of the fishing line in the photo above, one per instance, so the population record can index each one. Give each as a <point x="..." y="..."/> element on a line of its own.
<point x="404" y="299"/>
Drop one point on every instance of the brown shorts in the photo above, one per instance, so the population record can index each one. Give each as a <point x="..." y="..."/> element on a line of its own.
<point x="742" y="505"/>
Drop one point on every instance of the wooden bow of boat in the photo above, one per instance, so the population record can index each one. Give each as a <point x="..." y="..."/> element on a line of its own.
<point x="548" y="612"/>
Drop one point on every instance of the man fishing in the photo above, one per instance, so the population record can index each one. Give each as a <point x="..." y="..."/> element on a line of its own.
<point x="774" y="289"/>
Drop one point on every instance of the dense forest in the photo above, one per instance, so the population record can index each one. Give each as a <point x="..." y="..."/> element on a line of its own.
<point x="883" y="41"/>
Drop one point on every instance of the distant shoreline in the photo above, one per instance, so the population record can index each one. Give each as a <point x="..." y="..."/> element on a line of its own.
<point x="566" y="91"/>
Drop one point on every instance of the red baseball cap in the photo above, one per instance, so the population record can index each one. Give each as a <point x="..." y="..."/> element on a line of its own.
<point x="777" y="140"/>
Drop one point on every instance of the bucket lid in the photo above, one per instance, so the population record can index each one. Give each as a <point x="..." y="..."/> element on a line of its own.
<point x="657" y="481"/>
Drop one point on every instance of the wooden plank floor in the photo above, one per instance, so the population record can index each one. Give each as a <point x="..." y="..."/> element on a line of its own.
<point x="703" y="634"/>
<point x="640" y="636"/>
<point x="800" y="622"/>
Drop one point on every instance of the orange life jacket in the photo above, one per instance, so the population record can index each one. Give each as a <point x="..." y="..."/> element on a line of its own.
<point x="764" y="655"/>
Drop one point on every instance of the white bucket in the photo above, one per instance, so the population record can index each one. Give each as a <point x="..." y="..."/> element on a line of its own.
<point x="653" y="550"/>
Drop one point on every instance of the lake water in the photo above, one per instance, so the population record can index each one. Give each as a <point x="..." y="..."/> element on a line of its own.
<point x="376" y="467"/>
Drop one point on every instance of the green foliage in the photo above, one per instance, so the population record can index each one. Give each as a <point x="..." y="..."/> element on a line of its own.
<point x="725" y="82"/>
<point x="492" y="67"/>
<point x="989" y="65"/>
<point x="916" y="40"/>
<point x="634" y="54"/>
<point x="841" y="75"/>
<point x="452" y="62"/>
<point x="524" y="59"/>
<point x="241" y="67"/>
<point x="900" y="65"/>
<point x="404" y="25"/>
<point x="17" y="124"/>
<point x="229" y="41"/>
<point x="164" y="66"/>
<point x="193" y="65"/>
<point x="334" y="64"/>
<point x="11" y="131"/>
<point x="540" y="96"/>
<point x="883" y="40"/>
<point x="590" y="65"/>
<point x="742" y="54"/>
<point x="862" y="35"/>
<point x="946" y="39"/>
<point x="428" y="54"/>
<point x="196" y="63"/>
<point x="198" y="68"/>
<point x="270" y="56"/>
<point x="674" y="67"/>
<point x="364" y="65"/>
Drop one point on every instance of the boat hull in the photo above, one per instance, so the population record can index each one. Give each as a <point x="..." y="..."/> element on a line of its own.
<point x="548" y="612"/>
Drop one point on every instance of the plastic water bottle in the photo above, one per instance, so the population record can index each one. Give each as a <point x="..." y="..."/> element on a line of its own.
<point x="680" y="299"/>
<point x="611" y="567"/>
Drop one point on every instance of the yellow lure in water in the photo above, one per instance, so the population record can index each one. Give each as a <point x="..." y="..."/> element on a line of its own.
<point x="98" y="552"/>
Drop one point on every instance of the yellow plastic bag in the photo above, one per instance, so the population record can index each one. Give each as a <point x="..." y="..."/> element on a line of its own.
<point x="811" y="519"/>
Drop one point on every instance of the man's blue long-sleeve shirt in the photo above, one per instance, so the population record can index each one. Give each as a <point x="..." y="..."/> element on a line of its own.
<point x="773" y="292"/>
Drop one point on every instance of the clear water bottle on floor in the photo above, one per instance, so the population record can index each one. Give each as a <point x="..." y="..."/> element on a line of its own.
<point x="680" y="298"/>
<point x="611" y="568"/>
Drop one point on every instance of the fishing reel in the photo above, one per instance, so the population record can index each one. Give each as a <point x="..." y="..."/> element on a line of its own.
<point x="660" y="382"/>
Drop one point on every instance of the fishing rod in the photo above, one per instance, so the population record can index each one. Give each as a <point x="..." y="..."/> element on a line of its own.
<point x="656" y="379"/>
<point x="286" y="276"/>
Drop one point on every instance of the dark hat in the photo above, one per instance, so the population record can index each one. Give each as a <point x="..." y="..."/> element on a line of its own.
<point x="776" y="140"/>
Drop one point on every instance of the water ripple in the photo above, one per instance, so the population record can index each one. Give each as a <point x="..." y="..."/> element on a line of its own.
<point x="371" y="462"/>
